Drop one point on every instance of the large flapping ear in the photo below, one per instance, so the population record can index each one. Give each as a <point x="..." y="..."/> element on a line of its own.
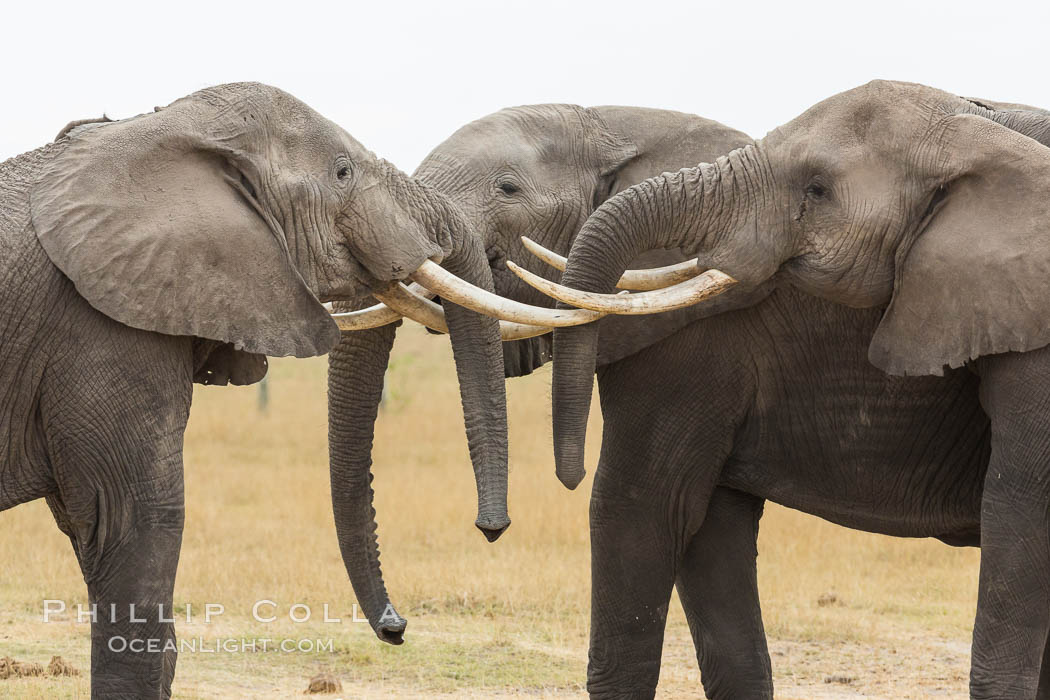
<point x="153" y="221"/>
<point x="976" y="280"/>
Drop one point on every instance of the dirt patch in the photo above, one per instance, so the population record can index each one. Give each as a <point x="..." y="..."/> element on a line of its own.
<point x="324" y="683"/>
<point x="839" y="678"/>
<point x="829" y="598"/>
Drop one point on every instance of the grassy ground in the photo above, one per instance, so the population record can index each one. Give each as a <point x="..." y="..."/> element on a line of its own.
<point x="502" y="620"/>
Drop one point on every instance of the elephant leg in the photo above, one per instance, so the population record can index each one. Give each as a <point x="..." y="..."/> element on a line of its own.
<point x="1013" y="603"/>
<point x="633" y="567"/>
<point x="718" y="586"/>
<point x="133" y="650"/>
<point x="115" y="444"/>
<point x="667" y="436"/>
<point x="642" y="518"/>
<point x="1044" y="674"/>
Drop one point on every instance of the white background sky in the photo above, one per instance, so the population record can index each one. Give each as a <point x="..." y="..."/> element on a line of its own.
<point x="403" y="76"/>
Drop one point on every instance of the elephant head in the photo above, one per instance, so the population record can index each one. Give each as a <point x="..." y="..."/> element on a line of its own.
<point x="230" y="215"/>
<point x="889" y="193"/>
<point x="538" y="171"/>
<point x="535" y="171"/>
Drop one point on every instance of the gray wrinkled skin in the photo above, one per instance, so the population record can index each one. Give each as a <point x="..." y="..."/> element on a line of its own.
<point x="704" y="396"/>
<point x="140" y="256"/>
<point x="896" y="194"/>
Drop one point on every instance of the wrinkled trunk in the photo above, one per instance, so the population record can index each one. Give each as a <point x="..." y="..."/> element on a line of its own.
<point x="356" y="368"/>
<point x="355" y="384"/>
<point x="478" y="352"/>
<point x="693" y="209"/>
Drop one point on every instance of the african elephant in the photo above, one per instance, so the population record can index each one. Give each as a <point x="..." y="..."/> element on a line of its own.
<point x="180" y="246"/>
<point x="927" y="212"/>
<point x="539" y="171"/>
<point x="536" y="170"/>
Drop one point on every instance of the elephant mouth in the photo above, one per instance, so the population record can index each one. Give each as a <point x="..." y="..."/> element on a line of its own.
<point x="433" y="331"/>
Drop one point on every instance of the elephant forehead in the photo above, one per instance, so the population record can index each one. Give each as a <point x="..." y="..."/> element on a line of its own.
<point x="528" y="135"/>
<point x="881" y="116"/>
<point x="282" y="126"/>
<point x="478" y="166"/>
<point x="310" y="142"/>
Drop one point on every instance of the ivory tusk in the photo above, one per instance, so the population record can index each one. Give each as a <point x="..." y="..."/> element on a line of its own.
<point x="372" y="317"/>
<point x="687" y="293"/>
<point x="458" y="291"/>
<point x="407" y="301"/>
<point x="508" y="330"/>
<point x="638" y="280"/>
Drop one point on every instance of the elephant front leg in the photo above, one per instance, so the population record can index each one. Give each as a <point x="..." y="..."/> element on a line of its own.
<point x="718" y="586"/>
<point x="116" y="449"/>
<point x="639" y="526"/>
<point x="632" y="574"/>
<point x="1044" y="674"/>
<point x="133" y="647"/>
<point x="1013" y="605"/>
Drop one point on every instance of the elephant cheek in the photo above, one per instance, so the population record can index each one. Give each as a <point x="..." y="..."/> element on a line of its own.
<point x="392" y="251"/>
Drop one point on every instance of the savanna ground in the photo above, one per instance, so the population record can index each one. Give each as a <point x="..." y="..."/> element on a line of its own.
<point x="848" y="614"/>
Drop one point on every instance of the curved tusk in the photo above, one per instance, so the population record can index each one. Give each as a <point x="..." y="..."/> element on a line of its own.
<point x="508" y="330"/>
<point x="548" y="256"/>
<point x="407" y="301"/>
<point x="638" y="280"/>
<point x="372" y="317"/>
<point x="437" y="279"/>
<point x="692" y="291"/>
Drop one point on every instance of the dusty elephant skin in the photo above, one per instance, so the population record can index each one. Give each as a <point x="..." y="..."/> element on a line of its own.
<point x="772" y="413"/>
<point x="890" y="193"/>
<point x="183" y="245"/>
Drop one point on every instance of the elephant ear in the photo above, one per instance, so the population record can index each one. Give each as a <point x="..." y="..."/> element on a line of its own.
<point x="608" y="150"/>
<point x="976" y="280"/>
<point x="151" y="220"/>
<point x="216" y="363"/>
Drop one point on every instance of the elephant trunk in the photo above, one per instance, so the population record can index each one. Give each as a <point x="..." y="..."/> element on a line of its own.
<point x="355" y="388"/>
<point x="478" y="354"/>
<point x="691" y="209"/>
<point x="355" y="384"/>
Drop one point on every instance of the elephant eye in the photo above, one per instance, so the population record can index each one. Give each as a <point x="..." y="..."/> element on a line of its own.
<point x="246" y="184"/>
<point x="343" y="172"/>
<point x="508" y="188"/>
<point x="816" y="191"/>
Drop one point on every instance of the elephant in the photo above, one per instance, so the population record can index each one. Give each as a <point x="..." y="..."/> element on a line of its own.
<point x="537" y="170"/>
<point x="924" y="215"/>
<point x="185" y="245"/>
<point x="540" y="170"/>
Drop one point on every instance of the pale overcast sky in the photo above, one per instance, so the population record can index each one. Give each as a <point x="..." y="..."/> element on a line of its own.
<point x="402" y="76"/>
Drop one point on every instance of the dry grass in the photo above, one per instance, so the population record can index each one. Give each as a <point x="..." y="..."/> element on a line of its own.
<point x="484" y="620"/>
